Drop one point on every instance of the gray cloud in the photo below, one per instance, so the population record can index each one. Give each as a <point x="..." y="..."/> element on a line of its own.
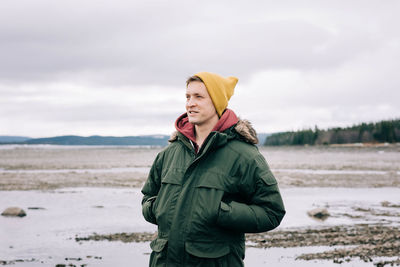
<point x="78" y="64"/>
<point x="134" y="42"/>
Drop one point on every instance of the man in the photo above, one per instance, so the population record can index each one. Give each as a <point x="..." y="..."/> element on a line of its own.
<point x="211" y="185"/>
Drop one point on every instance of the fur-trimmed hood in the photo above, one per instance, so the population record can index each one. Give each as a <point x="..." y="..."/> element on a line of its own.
<point x="246" y="130"/>
<point x="242" y="127"/>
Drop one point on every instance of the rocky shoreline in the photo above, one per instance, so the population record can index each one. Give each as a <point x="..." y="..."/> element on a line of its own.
<point x="355" y="167"/>
<point x="376" y="240"/>
<point x="362" y="241"/>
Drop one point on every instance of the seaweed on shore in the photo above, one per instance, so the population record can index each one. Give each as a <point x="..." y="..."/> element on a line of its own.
<point x="124" y="237"/>
<point x="362" y="241"/>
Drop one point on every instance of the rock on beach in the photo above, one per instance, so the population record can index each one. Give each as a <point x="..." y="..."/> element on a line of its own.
<point x="319" y="213"/>
<point x="14" y="212"/>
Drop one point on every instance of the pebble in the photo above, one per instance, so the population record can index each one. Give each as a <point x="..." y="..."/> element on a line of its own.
<point x="319" y="213"/>
<point x="14" y="212"/>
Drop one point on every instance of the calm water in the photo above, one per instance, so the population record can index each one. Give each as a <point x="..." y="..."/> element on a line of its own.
<point x="47" y="235"/>
<point x="108" y="170"/>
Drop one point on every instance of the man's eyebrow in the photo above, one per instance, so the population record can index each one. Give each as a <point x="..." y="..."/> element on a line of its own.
<point x="194" y="94"/>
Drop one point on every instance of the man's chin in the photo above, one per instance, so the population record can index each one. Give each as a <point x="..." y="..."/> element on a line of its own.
<point x="193" y="121"/>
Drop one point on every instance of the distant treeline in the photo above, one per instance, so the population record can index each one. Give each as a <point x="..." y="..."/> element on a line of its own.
<point x="380" y="132"/>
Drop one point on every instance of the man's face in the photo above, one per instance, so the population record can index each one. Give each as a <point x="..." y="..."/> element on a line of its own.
<point x="199" y="106"/>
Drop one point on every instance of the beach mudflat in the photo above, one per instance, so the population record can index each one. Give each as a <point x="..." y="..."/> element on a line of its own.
<point x="83" y="206"/>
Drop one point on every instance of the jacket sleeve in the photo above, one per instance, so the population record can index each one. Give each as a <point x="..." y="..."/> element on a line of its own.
<point x="264" y="209"/>
<point x="150" y="190"/>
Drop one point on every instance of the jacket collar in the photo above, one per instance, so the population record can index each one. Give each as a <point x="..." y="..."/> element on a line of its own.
<point x="230" y="125"/>
<point x="227" y="120"/>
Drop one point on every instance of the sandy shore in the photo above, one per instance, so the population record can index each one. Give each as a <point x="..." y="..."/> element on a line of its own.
<point x="292" y="166"/>
<point x="364" y="242"/>
<point x="38" y="168"/>
<point x="359" y="241"/>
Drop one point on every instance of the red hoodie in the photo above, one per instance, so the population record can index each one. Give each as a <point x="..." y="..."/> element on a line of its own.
<point x="227" y="120"/>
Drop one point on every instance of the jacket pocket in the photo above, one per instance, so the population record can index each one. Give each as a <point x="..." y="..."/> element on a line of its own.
<point x="209" y="249"/>
<point x="158" y="244"/>
<point x="208" y="195"/>
<point x="173" y="176"/>
<point x="268" y="177"/>
<point x="264" y="171"/>
<point x="165" y="204"/>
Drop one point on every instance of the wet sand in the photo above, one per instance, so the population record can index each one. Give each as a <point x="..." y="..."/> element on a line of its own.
<point x="372" y="236"/>
<point x="20" y="168"/>
<point x="364" y="242"/>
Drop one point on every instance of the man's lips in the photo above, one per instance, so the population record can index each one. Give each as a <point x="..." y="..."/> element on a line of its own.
<point x="191" y="112"/>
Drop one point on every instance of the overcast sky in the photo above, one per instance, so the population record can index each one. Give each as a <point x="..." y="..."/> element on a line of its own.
<point x="119" y="67"/>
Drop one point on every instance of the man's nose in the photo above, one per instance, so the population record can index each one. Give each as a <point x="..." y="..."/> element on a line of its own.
<point x="191" y="102"/>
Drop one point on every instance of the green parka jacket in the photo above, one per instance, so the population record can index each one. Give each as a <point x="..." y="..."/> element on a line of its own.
<point x="204" y="203"/>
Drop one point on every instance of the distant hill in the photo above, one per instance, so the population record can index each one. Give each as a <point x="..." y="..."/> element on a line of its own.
<point x="145" y="140"/>
<point x="10" y="139"/>
<point x="379" y="132"/>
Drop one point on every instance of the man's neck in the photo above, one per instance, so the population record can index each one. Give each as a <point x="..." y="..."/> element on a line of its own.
<point x="202" y="131"/>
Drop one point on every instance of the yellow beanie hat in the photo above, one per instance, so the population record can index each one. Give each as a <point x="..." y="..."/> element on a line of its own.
<point x="219" y="88"/>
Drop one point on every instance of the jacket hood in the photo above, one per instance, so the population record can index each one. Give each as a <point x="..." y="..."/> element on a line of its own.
<point x="227" y="121"/>
<point x="246" y="131"/>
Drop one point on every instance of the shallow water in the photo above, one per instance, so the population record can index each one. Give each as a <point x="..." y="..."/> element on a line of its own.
<point x="308" y="171"/>
<point x="338" y="201"/>
<point x="69" y="212"/>
<point x="108" y="170"/>
<point x="52" y="147"/>
<point x="47" y="235"/>
<point x="147" y="169"/>
<point x="283" y="257"/>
